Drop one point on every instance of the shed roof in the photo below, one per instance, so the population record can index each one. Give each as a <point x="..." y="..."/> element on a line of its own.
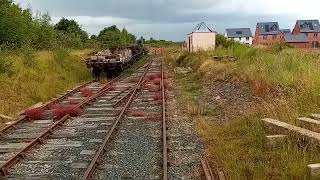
<point x="309" y="25"/>
<point x="238" y="32"/>
<point x="268" y="28"/>
<point x="300" y="38"/>
<point x="202" y="27"/>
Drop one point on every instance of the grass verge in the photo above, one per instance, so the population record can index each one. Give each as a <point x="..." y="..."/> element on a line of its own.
<point x="30" y="77"/>
<point x="285" y="84"/>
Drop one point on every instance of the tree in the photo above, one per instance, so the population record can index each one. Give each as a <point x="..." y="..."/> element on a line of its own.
<point x="131" y="38"/>
<point x="45" y="35"/>
<point x="110" y="37"/>
<point x="72" y="27"/>
<point x="16" y="25"/>
<point x="94" y="37"/>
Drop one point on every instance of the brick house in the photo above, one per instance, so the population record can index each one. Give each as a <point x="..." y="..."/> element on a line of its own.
<point x="268" y="33"/>
<point x="297" y="41"/>
<point x="311" y="29"/>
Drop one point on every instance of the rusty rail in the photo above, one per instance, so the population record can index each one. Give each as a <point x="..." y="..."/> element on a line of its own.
<point x="207" y="170"/>
<point x="40" y="139"/>
<point x="164" y="128"/>
<point x="91" y="168"/>
<point x="23" y="118"/>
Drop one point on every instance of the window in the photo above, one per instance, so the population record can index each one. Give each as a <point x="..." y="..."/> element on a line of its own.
<point x="315" y="35"/>
<point x="306" y="34"/>
<point x="274" y="36"/>
<point x="239" y="38"/>
<point x="247" y="38"/>
<point x="264" y="37"/>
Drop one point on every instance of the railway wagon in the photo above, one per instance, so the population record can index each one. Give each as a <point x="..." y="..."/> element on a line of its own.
<point x="112" y="62"/>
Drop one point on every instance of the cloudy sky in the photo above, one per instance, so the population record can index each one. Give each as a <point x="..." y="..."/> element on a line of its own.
<point x="173" y="19"/>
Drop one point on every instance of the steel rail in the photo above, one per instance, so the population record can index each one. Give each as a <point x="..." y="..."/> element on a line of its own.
<point x="40" y="139"/>
<point x="164" y="128"/>
<point x="121" y="92"/>
<point x="91" y="168"/>
<point x="207" y="170"/>
<point x="23" y="118"/>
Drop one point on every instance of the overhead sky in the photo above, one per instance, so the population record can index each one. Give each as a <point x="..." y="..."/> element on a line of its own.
<point x="173" y="19"/>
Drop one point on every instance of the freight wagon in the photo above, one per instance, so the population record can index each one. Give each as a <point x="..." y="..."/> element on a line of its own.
<point x="112" y="62"/>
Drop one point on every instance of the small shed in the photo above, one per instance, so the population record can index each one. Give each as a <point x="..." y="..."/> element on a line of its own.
<point x="201" y="38"/>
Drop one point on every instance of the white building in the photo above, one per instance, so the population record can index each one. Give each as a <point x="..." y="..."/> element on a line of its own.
<point x="242" y="35"/>
<point x="201" y="38"/>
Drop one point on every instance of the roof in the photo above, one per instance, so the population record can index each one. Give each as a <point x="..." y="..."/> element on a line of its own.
<point x="309" y="25"/>
<point x="286" y="31"/>
<point x="202" y="27"/>
<point x="268" y="28"/>
<point x="300" y="38"/>
<point x="238" y="32"/>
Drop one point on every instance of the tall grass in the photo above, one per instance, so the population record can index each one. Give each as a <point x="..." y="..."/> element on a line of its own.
<point x="287" y="83"/>
<point x="38" y="76"/>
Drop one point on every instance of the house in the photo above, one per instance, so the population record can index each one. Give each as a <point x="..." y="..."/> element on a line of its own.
<point x="285" y="31"/>
<point x="268" y="33"/>
<point x="310" y="28"/>
<point x="242" y="35"/>
<point x="297" y="41"/>
<point x="201" y="38"/>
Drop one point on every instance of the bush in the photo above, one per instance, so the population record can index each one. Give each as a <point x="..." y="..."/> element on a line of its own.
<point x="28" y="56"/>
<point x="223" y="41"/>
<point x="6" y="66"/>
<point x="60" y="56"/>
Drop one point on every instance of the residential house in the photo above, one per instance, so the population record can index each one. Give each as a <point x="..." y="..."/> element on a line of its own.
<point x="310" y="28"/>
<point x="297" y="41"/>
<point x="201" y="38"/>
<point x="268" y="33"/>
<point x="242" y="35"/>
<point x="285" y="31"/>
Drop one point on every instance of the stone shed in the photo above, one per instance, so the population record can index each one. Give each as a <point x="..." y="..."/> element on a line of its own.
<point x="201" y="38"/>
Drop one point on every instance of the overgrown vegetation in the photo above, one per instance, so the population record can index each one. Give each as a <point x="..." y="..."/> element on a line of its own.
<point x="286" y="85"/>
<point x="35" y="59"/>
<point x="161" y="43"/>
<point x="39" y="59"/>
<point x="19" y="29"/>
<point x="24" y="84"/>
<point x="112" y="37"/>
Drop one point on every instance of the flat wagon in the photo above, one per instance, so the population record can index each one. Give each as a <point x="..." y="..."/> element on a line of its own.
<point x="112" y="62"/>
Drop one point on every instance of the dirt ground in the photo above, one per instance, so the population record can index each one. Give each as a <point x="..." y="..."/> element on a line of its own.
<point x="229" y="99"/>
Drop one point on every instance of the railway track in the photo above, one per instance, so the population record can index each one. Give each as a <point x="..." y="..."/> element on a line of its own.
<point x="70" y="148"/>
<point x="122" y="134"/>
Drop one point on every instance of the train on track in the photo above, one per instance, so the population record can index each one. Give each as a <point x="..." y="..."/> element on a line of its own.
<point x="111" y="62"/>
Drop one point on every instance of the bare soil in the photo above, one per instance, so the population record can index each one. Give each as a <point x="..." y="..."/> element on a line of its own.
<point x="229" y="99"/>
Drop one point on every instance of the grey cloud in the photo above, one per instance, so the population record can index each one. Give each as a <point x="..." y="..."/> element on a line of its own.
<point x="165" y="19"/>
<point x="163" y="11"/>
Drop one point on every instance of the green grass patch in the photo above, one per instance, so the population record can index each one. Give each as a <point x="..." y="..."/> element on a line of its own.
<point x="286" y="82"/>
<point x="38" y="77"/>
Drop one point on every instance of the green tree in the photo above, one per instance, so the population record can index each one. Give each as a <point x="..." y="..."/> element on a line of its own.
<point x="44" y="32"/>
<point x="132" y="38"/>
<point x="16" y="25"/>
<point x="71" y="27"/>
<point x="110" y="37"/>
